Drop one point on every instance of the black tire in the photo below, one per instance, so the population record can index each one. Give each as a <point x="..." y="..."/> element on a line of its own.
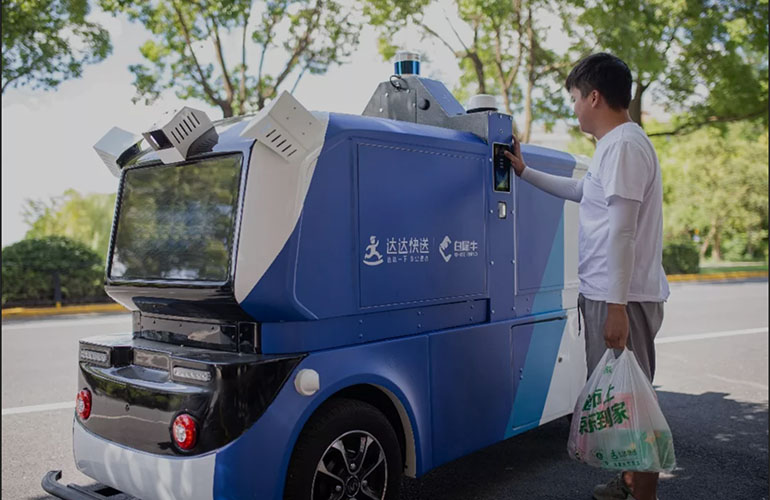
<point x="345" y="423"/>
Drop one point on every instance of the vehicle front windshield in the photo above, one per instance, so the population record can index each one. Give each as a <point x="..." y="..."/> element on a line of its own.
<point x="176" y="222"/>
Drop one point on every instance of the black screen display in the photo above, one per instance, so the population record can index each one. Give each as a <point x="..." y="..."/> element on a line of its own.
<point x="502" y="168"/>
<point x="176" y="222"/>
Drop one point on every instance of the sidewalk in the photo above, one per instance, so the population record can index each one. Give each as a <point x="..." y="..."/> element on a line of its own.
<point x="725" y="276"/>
<point x="28" y="312"/>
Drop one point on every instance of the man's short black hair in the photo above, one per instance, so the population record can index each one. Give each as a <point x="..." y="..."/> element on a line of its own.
<point x="606" y="73"/>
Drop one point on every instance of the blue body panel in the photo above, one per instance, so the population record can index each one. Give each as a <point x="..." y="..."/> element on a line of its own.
<point x="471" y="389"/>
<point x="501" y="260"/>
<point x="316" y="275"/>
<point x="306" y="336"/>
<point x="540" y="236"/>
<point x="443" y="181"/>
<point x="439" y="195"/>
<point x="535" y="347"/>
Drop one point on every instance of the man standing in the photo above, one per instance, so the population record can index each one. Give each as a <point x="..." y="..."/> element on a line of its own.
<point x="622" y="283"/>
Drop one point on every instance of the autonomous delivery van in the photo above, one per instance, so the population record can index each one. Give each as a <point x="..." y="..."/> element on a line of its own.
<point x="323" y="302"/>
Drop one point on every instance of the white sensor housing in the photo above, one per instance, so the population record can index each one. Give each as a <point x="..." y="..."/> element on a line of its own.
<point x="482" y="102"/>
<point x="115" y="147"/>
<point x="307" y="382"/>
<point x="287" y="128"/>
<point x="406" y="55"/>
<point x="173" y="135"/>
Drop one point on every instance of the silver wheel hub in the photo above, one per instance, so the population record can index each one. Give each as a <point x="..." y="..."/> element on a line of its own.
<point x="353" y="467"/>
<point x="352" y="485"/>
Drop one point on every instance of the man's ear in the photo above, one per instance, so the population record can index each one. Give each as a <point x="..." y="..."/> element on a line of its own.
<point x="595" y="98"/>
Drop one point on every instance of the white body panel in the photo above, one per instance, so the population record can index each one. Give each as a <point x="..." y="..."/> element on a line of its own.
<point x="571" y="222"/>
<point x="112" y="145"/>
<point x="287" y="128"/>
<point x="274" y="197"/>
<point x="570" y="371"/>
<point x="181" y="129"/>
<point x="141" y="474"/>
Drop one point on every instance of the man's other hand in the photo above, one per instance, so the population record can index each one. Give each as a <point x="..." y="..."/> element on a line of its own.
<point x="616" y="326"/>
<point x="517" y="162"/>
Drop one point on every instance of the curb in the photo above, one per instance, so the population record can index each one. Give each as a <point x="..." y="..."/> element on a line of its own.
<point x="673" y="278"/>
<point x="25" y="312"/>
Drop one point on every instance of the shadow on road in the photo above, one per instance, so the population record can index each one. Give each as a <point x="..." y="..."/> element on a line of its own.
<point x="721" y="447"/>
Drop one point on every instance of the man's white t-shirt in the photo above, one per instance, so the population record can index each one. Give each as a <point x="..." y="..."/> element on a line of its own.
<point x="625" y="165"/>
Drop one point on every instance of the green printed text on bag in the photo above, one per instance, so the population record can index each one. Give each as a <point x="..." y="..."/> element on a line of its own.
<point x="617" y="423"/>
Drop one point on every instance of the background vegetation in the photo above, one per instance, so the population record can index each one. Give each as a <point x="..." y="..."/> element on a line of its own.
<point x="703" y="62"/>
<point x="34" y="268"/>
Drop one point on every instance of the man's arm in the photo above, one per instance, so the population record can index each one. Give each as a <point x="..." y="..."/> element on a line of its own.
<point x="623" y="214"/>
<point x="561" y="187"/>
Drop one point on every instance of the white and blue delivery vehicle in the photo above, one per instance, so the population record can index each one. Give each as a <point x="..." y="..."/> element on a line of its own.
<point x="323" y="302"/>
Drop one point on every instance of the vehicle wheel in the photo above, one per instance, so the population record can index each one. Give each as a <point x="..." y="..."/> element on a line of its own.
<point x="348" y="450"/>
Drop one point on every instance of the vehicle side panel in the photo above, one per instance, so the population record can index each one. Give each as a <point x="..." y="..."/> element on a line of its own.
<point x="253" y="466"/>
<point x="471" y="389"/>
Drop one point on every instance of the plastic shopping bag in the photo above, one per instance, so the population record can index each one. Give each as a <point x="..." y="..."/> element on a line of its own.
<point x="617" y="423"/>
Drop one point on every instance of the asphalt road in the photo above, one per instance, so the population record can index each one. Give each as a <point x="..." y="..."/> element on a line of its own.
<point x="712" y="383"/>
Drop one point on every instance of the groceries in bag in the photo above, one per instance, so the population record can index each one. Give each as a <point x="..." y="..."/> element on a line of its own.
<point x="617" y="423"/>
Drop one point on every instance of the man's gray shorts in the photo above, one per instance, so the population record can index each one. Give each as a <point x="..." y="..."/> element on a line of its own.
<point x="644" y="320"/>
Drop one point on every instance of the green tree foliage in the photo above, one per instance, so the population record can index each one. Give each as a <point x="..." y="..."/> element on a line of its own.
<point x="681" y="257"/>
<point x="310" y="35"/>
<point x="48" y="41"/>
<point x="705" y="61"/>
<point x="716" y="190"/>
<point x="83" y="218"/>
<point x="28" y="271"/>
<point x="506" y="54"/>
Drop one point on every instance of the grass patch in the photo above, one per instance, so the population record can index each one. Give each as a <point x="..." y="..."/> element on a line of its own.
<point x="725" y="267"/>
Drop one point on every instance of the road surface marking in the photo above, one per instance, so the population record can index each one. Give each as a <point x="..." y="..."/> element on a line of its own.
<point x="65" y="323"/>
<point x="36" y="408"/>
<point x="755" y="385"/>
<point x="712" y="335"/>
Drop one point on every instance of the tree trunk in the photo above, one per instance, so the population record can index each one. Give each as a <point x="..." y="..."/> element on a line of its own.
<point x="227" y="108"/>
<point x="706" y="242"/>
<point x="478" y="66"/>
<point x="527" y="114"/>
<point x="635" y="107"/>
<point x="530" y="80"/>
<point x="242" y="83"/>
<point x="716" y="250"/>
<point x="507" y="102"/>
<point x="57" y="289"/>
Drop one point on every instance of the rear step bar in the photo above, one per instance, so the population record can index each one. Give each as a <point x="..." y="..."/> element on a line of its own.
<point x="52" y="485"/>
